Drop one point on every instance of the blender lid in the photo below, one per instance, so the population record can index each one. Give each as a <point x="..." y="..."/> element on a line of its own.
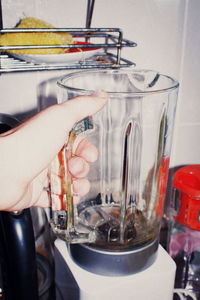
<point x="187" y="181"/>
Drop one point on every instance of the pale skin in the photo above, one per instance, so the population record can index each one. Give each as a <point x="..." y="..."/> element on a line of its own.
<point x="27" y="151"/>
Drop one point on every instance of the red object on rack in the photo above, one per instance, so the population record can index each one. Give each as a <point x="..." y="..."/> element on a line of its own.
<point x="187" y="181"/>
<point x="81" y="49"/>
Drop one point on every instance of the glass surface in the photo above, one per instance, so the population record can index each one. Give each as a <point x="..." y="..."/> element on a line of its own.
<point x="133" y="135"/>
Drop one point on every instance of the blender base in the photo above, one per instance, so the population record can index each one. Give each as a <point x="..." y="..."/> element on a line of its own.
<point x="114" y="263"/>
<point x="75" y="283"/>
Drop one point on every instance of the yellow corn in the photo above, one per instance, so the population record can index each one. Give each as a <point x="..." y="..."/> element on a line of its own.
<point x="36" y="38"/>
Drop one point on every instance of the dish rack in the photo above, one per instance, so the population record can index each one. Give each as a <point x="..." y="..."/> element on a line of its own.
<point x="105" y="39"/>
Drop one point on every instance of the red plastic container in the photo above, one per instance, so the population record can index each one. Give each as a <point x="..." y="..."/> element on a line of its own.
<point x="187" y="181"/>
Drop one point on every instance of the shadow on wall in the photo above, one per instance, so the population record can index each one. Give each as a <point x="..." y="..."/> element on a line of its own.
<point x="48" y="93"/>
<point x="25" y="115"/>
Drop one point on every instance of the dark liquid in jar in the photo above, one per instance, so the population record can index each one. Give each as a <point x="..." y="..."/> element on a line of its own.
<point x="111" y="234"/>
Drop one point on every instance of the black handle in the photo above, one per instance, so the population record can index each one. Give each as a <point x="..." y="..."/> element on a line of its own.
<point x="17" y="245"/>
<point x="19" y="256"/>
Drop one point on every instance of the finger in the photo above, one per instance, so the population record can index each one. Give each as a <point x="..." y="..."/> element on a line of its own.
<point x="36" y="192"/>
<point x="81" y="187"/>
<point x="78" y="167"/>
<point x="76" y="200"/>
<point x="86" y="150"/>
<point x="43" y="200"/>
<point x="56" y="184"/>
<point x="83" y="106"/>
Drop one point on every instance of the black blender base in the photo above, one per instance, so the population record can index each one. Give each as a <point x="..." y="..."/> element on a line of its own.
<point x="114" y="263"/>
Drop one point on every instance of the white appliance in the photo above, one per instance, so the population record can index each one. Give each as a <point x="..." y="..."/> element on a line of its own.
<point x="75" y="283"/>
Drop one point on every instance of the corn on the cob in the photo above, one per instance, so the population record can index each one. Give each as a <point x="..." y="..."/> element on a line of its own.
<point x="36" y="38"/>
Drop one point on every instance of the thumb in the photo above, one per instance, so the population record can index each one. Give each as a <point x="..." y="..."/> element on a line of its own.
<point x="82" y="107"/>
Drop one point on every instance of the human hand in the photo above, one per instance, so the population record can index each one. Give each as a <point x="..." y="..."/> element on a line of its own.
<point x="27" y="151"/>
<point x="70" y="178"/>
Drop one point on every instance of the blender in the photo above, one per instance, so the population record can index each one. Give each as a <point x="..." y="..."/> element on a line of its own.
<point x="114" y="229"/>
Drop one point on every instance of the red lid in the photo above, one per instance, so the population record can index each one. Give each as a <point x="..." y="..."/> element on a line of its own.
<point x="187" y="180"/>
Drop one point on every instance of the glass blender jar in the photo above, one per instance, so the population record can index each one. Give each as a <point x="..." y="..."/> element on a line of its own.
<point x="114" y="229"/>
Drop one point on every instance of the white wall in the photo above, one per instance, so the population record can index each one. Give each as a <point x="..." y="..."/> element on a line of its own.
<point x="166" y="32"/>
<point x="187" y="134"/>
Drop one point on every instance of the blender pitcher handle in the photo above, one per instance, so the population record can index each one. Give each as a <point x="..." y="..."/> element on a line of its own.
<point x="64" y="215"/>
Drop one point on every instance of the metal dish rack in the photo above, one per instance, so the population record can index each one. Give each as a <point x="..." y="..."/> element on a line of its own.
<point x="103" y="38"/>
